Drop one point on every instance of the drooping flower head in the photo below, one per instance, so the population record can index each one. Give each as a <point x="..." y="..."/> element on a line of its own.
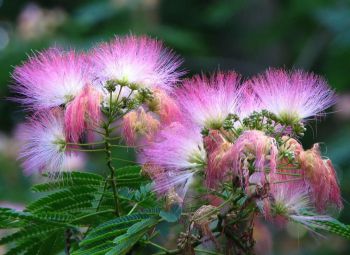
<point x="208" y="101"/>
<point x="252" y="148"/>
<point x="83" y="114"/>
<point x="50" y="79"/>
<point x="322" y="179"/>
<point x="135" y="61"/>
<point x="216" y="147"/>
<point x="292" y="96"/>
<point x="43" y="143"/>
<point x="309" y="172"/>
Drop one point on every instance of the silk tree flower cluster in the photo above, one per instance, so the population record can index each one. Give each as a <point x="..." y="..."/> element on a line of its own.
<point x="233" y="136"/>
<point x="67" y="92"/>
<point x="248" y="133"/>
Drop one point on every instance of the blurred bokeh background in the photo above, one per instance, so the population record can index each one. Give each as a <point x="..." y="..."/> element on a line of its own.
<point x="245" y="35"/>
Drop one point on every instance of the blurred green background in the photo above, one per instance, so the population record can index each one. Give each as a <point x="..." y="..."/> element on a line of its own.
<point x="245" y="35"/>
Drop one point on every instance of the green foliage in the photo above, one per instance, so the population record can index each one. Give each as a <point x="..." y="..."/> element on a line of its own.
<point x="130" y="176"/>
<point x="126" y="241"/>
<point x="69" y="180"/>
<point x="328" y="224"/>
<point x="30" y="233"/>
<point x="335" y="227"/>
<point x="99" y="240"/>
<point x="77" y="211"/>
<point x="65" y="200"/>
<point x="81" y="199"/>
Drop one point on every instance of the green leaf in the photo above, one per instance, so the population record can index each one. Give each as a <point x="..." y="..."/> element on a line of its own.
<point x="130" y="176"/>
<point x="22" y="246"/>
<point x="30" y="232"/>
<point x="335" y="227"/>
<point x="132" y="236"/>
<point x="100" y="249"/>
<point x="12" y="216"/>
<point x="70" y="179"/>
<point x="64" y="200"/>
<point x="124" y="247"/>
<point x="100" y="239"/>
<point x="112" y="228"/>
<point x="323" y="223"/>
<point x="173" y="215"/>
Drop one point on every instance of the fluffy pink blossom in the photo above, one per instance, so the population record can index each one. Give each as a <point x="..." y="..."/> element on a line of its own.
<point x="216" y="147"/>
<point x="140" y="61"/>
<point x="292" y="96"/>
<point x="252" y="146"/>
<point x="321" y="176"/>
<point x="310" y="172"/>
<point x="288" y="175"/>
<point x="50" y="78"/>
<point x="74" y="161"/>
<point x="172" y="183"/>
<point x="138" y="125"/>
<point x="288" y="201"/>
<point x="177" y="146"/>
<point x="290" y="204"/>
<point x="43" y="143"/>
<point x="250" y="101"/>
<point x="83" y="114"/>
<point x="208" y="101"/>
<point x="178" y="150"/>
<point x="166" y="107"/>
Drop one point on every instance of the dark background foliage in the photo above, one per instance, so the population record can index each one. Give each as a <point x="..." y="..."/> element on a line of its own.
<point x="245" y="35"/>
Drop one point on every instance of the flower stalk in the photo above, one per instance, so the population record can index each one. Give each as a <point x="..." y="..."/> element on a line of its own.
<point x="108" y="146"/>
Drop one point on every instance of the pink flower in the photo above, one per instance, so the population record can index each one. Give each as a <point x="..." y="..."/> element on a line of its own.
<point x="208" y="101"/>
<point x="252" y="146"/>
<point x="288" y="201"/>
<point x="166" y="107"/>
<point x="178" y="151"/>
<point x="292" y="96"/>
<point x="139" y="124"/>
<point x="178" y="146"/>
<point x="50" y="79"/>
<point x="310" y="172"/>
<point x="74" y="161"/>
<point x="321" y="176"/>
<point x="138" y="61"/>
<point x="83" y="114"/>
<point x="172" y="183"/>
<point x="216" y="147"/>
<point x="250" y="101"/>
<point x="291" y="204"/>
<point x="43" y="143"/>
<point x="288" y="175"/>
